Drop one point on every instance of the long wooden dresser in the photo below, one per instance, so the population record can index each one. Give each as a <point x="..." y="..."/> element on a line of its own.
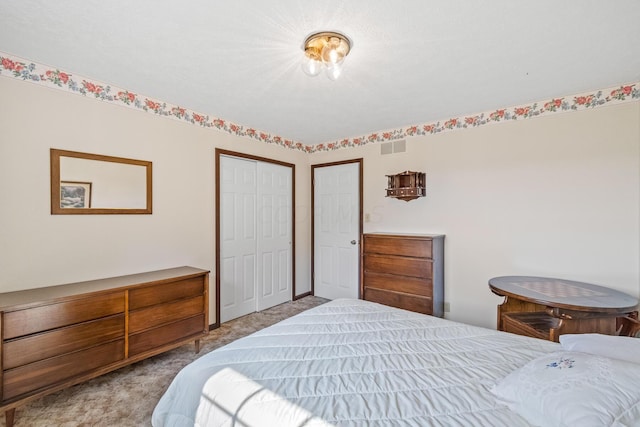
<point x="55" y="337"/>
<point x="404" y="271"/>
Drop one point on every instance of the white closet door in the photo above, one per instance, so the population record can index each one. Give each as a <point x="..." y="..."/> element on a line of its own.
<point x="256" y="267"/>
<point x="336" y="230"/>
<point x="274" y="223"/>
<point x="237" y="237"/>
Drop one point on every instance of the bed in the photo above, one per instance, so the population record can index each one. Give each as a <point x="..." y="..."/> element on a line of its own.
<point x="353" y="362"/>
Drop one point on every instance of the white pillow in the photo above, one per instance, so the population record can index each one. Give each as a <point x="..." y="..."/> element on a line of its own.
<point x="622" y="348"/>
<point x="573" y="389"/>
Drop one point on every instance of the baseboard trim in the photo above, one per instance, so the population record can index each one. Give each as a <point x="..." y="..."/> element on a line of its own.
<point x="306" y="294"/>
<point x="214" y="326"/>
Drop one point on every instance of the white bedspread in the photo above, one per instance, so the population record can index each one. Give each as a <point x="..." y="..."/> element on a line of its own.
<point x="351" y="363"/>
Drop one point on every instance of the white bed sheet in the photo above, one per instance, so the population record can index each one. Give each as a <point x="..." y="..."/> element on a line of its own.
<point x="352" y="363"/>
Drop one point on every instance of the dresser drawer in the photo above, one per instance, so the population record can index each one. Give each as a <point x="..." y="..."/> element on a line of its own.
<point x="46" y="317"/>
<point x="166" y="334"/>
<point x="415" y="303"/>
<point x="411" y="247"/>
<point x="158" y="294"/>
<point x="157" y="315"/>
<point x="413" y="267"/>
<point x="31" y="377"/>
<point x="408" y="285"/>
<point x="60" y="341"/>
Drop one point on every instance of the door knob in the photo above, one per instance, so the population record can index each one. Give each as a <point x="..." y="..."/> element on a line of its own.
<point x="353" y="242"/>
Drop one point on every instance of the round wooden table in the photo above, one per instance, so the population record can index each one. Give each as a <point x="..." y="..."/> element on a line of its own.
<point x="546" y="308"/>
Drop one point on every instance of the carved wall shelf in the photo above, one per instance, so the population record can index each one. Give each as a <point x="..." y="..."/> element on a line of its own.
<point x="406" y="185"/>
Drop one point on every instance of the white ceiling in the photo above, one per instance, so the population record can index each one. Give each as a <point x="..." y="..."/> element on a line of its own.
<point x="412" y="61"/>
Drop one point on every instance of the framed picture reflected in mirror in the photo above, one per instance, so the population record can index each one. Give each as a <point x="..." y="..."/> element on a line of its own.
<point x="75" y="194"/>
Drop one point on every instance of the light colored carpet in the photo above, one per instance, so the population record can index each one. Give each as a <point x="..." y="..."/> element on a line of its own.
<point x="127" y="396"/>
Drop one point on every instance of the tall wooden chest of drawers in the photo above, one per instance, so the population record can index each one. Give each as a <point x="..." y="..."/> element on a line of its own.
<point x="55" y="337"/>
<point x="404" y="271"/>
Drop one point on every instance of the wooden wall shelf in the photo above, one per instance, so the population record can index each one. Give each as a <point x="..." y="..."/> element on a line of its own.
<point x="406" y="185"/>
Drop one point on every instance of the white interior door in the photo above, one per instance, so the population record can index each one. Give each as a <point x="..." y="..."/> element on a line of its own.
<point x="337" y="230"/>
<point x="256" y="266"/>
<point x="274" y="246"/>
<point x="237" y="237"/>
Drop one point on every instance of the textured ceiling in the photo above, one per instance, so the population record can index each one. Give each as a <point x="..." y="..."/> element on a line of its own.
<point x="412" y="61"/>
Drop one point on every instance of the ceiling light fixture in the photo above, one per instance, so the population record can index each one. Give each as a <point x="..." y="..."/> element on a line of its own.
<point x="326" y="49"/>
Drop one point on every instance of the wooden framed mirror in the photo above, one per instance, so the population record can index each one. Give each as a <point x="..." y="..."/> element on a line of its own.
<point x="84" y="183"/>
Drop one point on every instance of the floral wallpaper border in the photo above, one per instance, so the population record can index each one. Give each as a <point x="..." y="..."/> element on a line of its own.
<point x="15" y="67"/>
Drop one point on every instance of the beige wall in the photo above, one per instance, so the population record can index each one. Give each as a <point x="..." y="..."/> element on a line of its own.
<point x="551" y="196"/>
<point x="39" y="249"/>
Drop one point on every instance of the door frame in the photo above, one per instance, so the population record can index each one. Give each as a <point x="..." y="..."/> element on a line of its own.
<point x="313" y="217"/>
<point x="222" y="152"/>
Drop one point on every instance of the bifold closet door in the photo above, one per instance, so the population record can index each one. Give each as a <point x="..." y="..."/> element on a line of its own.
<point x="238" y="192"/>
<point x="255" y="236"/>
<point x="274" y="246"/>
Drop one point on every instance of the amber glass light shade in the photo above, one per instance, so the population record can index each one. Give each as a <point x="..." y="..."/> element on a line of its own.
<point x="326" y="49"/>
